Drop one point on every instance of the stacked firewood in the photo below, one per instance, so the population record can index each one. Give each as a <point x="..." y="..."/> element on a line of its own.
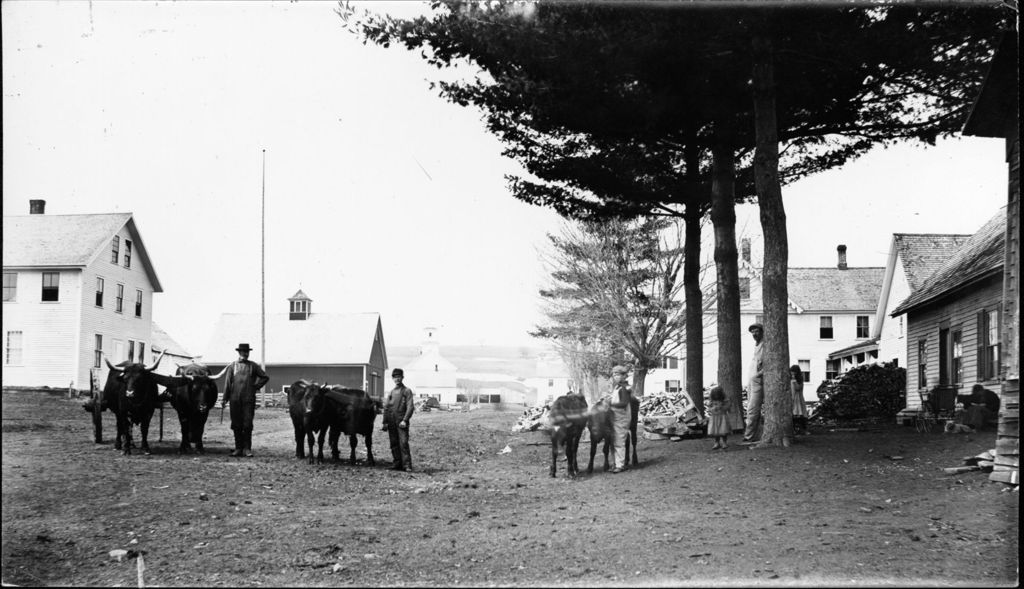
<point x="670" y="416"/>
<point x="534" y="418"/>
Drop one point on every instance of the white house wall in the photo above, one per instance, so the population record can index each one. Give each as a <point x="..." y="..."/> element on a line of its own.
<point x="804" y="344"/>
<point x="113" y="326"/>
<point x="892" y="343"/>
<point x="49" y="330"/>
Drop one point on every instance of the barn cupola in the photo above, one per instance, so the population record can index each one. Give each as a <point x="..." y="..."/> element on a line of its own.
<point x="300" y="306"/>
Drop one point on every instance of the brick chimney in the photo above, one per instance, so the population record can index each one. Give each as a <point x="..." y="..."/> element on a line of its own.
<point x="36" y="207"/>
<point x="745" y="249"/>
<point x="842" y="256"/>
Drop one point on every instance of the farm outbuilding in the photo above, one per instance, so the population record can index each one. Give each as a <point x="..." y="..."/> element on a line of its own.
<point x="332" y="348"/>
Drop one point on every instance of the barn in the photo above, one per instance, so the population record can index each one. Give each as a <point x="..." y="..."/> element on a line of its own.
<point x="334" y="348"/>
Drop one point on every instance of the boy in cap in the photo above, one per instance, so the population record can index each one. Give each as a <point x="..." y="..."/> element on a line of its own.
<point x="621" y="395"/>
<point x="398" y="407"/>
<point x="241" y="381"/>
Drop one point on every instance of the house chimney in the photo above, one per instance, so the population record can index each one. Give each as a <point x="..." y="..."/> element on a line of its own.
<point x="36" y="207"/>
<point x="745" y="249"/>
<point x="842" y="256"/>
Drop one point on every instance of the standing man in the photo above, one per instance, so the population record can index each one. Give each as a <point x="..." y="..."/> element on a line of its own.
<point x="241" y="381"/>
<point x="755" y="390"/>
<point x="621" y="395"/>
<point x="398" y="409"/>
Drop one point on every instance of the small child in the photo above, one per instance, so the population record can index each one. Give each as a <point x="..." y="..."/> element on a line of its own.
<point x="718" y="422"/>
<point x="796" y="388"/>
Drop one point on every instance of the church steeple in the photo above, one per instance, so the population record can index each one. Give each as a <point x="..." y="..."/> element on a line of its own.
<point x="300" y="306"/>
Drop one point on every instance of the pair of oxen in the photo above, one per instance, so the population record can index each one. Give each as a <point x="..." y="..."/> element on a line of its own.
<point x="319" y="411"/>
<point x="131" y="394"/>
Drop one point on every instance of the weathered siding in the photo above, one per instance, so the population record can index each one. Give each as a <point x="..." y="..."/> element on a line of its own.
<point x="49" y="330"/>
<point x="961" y="312"/>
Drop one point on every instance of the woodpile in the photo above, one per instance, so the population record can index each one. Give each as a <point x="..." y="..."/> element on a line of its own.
<point x="984" y="462"/>
<point x="533" y="419"/>
<point x="670" y="416"/>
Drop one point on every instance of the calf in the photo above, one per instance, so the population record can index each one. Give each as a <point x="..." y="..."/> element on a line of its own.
<point x="567" y="417"/>
<point x="353" y="413"/>
<point x="602" y="429"/>
<point x="193" y="400"/>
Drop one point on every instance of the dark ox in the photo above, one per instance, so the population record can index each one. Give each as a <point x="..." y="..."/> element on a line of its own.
<point x="192" y="400"/>
<point x="568" y="416"/>
<point x="319" y="411"/>
<point x="602" y="429"/>
<point x="131" y="394"/>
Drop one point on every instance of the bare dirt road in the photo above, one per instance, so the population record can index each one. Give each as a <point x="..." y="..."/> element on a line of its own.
<point x="838" y="508"/>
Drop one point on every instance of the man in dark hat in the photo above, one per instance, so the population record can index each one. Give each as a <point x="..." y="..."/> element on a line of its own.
<point x="755" y="390"/>
<point x="621" y="409"/>
<point x="398" y="407"/>
<point x="241" y="381"/>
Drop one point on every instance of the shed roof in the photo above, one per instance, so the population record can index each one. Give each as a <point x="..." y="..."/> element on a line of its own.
<point x="63" y="241"/>
<point x="160" y="341"/>
<point x="923" y="253"/>
<point x="321" y="339"/>
<point x="979" y="257"/>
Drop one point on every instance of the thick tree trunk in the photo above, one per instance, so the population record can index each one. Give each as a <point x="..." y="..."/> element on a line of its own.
<point x="694" y="308"/>
<point x="639" y="378"/>
<point x="723" y="217"/>
<point x="778" y="403"/>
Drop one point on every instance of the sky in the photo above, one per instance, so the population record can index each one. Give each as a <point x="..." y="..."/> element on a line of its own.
<point x="379" y="195"/>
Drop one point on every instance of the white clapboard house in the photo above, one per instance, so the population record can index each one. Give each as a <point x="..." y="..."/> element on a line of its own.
<point x="75" y="287"/>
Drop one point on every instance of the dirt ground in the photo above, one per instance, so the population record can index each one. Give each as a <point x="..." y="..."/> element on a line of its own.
<point x="836" y="509"/>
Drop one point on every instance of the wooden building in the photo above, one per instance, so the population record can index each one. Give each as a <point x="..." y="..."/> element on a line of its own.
<point x="331" y="348"/>
<point x="77" y="288"/>
<point x="995" y="114"/>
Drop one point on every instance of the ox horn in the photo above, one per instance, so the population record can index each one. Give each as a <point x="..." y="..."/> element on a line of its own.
<point x="221" y="373"/>
<point x="111" y="366"/>
<point x="157" y="363"/>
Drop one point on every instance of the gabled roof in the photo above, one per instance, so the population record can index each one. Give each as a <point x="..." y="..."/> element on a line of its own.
<point x="979" y="257"/>
<point x="160" y="341"/>
<point x="321" y="339"/>
<point x="832" y="289"/>
<point x="69" y="241"/>
<point x="923" y="253"/>
<point x="299" y="296"/>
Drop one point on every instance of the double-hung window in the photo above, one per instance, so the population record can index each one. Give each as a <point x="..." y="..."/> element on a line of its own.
<point x="115" y="249"/>
<point x="127" y="254"/>
<point x="988" y="344"/>
<point x="10" y="287"/>
<point x="99" y="292"/>
<point x="97" y="352"/>
<point x="119" y="300"/>
<point x="138" y="303"/>
<point x="862" y="326"/>
<point x="825" y="327"/>
<point x="12" y="348"/>
<point x="51" y="286"/>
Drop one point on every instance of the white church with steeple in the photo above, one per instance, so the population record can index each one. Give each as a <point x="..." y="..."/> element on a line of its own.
<point x="430" y="374"/>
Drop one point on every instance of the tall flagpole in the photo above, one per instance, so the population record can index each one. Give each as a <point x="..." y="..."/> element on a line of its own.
<point x="263" y="267"/>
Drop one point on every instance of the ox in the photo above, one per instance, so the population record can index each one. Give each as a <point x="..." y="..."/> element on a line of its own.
<point x="131" y="394"/>
<point x="602" y="429"/>
<point x="192" y="400"/>
<point x="567" y="417"/>
<point x="304" y="419"/>
<point x="353" y="413"/>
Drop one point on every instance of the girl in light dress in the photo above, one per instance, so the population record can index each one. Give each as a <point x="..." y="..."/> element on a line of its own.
<point x="718" y="422"/>
<point x="796" y="387"/>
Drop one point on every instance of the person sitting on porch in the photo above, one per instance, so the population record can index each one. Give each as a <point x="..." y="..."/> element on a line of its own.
<point x="982" y="407"/>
